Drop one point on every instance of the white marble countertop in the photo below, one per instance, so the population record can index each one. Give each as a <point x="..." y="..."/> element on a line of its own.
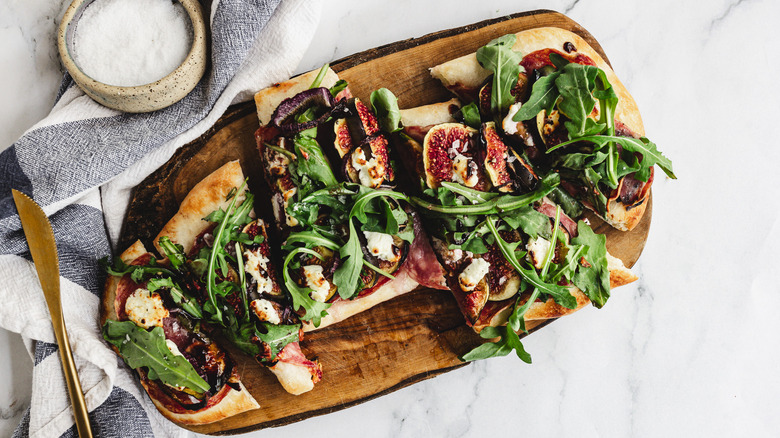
<point x="689" y="349"/>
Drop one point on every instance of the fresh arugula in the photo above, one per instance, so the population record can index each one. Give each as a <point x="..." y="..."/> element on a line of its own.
<point x="186" y="303"/>
<point x="174" y="252"/>
<point x="385" y="106"/>
<point x="320" y="76"/>
<point x="141" y="348"/>
<point x="469" y="114"/>
<point x="498" y="57"/>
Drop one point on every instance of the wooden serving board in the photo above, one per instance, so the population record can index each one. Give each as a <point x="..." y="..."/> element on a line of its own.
<point x="393" y="345"/>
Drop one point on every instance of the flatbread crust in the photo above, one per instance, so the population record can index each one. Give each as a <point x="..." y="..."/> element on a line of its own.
<point x="432" y="114"/>
<point x="207" y="196"/>
<point x="619" y="274"/>
<point x="233" y="403"/>
<point x="341" y="310"/>
<point x="465" y="72"/>
<point x="269" y="98"/>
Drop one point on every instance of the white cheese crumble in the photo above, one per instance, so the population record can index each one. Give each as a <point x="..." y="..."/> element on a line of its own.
<point x="172" y="346"/>
<point x="265" y="311"/>
<point x="253" y="264"/>
<point x="317" y="282"/>
<point x="381" y="246"/>
<point x="368" y="172"/>
<point x="509" y="125"/>
<point x="145" y="309"/>
<point x="462" y="170"/>
<point x="473" y="274"/>
<point x="537" y="251"/>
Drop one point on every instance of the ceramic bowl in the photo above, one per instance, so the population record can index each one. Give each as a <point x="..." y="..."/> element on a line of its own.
<point x="141" y="98"/>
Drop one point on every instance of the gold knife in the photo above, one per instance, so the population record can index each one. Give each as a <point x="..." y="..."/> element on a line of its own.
<point x="40" y="239"/>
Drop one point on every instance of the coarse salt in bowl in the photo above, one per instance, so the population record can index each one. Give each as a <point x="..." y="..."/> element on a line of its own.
<point x="134" y="55"/>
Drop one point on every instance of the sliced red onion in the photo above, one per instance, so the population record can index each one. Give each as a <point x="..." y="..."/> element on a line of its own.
<point x="284" y="116"/>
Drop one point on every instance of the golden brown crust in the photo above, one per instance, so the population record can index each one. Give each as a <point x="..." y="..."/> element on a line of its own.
<point x="619" y="274"/>
<point x="233" y="403"/>
<point x="269" y="98"/>
<point x="207" y="196"/>
<point x="427" y="115"/>
<point x="294" y="378"/>
<point x="466" y="71"/>
<point x="341" y="310"/>
<point x="622" y="218"/>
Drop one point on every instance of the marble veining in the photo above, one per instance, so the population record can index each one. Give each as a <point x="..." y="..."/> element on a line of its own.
<point x="689" y="349"/>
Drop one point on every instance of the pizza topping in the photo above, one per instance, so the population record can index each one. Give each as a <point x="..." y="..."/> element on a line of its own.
<point x="369" y="172"/>
<point x="537" y="251"/>
<point x="142" y="348"/>
<point x="380" y="245"/>
<point x="316" y="101"/>
<point x="448" y="156"/>
<point x="146" y="309"/>
<point x="342" y="139"/>
<point x="496" y="155"/>
<point x="265" y="310"/>
<point x="256" y="265"/>
<point x="315" y="280"/>
<point x="473" y="274"/>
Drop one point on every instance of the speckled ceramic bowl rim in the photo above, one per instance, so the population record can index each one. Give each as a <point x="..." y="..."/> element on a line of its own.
<point x="140" y="98"/>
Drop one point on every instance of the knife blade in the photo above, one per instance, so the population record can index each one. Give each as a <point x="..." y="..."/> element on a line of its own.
<point x="40" y="239"/>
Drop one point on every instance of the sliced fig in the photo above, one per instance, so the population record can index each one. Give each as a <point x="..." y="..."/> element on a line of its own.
<point x="484" y="99"/>
<point x="450" y="154"/>
<point x="475" y="301"/>
<point x="367" y="118"/>
<point x="367" y="164"/>
<point x="521" y="172"/>
<point x="496" y="154"/>
<point x="503" y="279"/>
<point x="362" y="123"/>
<point x="343" y="139"/>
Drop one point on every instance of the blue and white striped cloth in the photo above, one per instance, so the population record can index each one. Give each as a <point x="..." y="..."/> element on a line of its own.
<point x="80" y="164"/>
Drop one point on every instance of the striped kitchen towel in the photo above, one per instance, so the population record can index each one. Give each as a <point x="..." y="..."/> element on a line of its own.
<point x="80" y="164"/>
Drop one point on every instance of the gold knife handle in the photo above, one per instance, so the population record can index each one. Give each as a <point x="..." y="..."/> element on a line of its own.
<point x="80" y="411"/>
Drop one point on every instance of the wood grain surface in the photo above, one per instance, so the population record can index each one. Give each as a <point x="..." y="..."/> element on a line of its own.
<point x="411" y="338"/>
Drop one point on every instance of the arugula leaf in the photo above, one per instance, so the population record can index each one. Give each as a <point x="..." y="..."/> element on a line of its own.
<point x="347" y="276"/>
<point x="340" y="85"/>
<point x="495" y="205"/>
<point x="575" y="84"/>
<point x="544" y="95"/>
<point x="320" y="76"/>
<point x="232" y="216"/>
<point x="312" y="163"/>
<point x="498" y="57"/>
<point x="592" y="280"/>
<point x="138" y="273"/>
<point x="385" y="106"/>
<point x="529" y="220"/>
<point x="277" y="336"/>
<point x="141" y="348"/>
<point x="187" y="304"/>
<point x="174" y="252"/>
<point x="648" y="149"/>
<point x="470" y="115"/>
<point x="313" y="310"/>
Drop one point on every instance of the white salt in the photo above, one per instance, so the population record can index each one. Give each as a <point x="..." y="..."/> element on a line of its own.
<point x="132" y="42"/>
